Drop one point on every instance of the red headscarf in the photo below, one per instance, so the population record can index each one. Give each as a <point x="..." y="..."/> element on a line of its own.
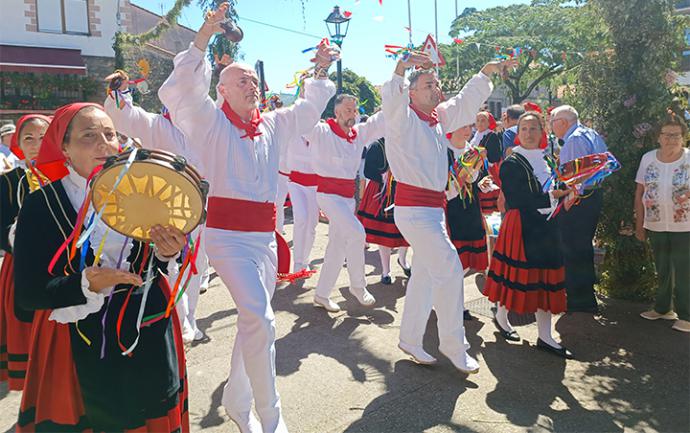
<point x="492" y="120"/>
<point x="51" y="160"/>
<point x="14" y="145"/>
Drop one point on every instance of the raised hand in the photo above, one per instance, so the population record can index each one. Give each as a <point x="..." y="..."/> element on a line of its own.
<point x="500" y="67"/>
<point x="326" y="54"/>
<point x="213" y="19"/>
<point x="118" y="80"/>
<point x="417" y="59"/>
<point x="102" y="278"/>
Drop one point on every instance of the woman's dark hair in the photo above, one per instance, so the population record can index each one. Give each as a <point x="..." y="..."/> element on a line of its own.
<point x="534" y="114"/>
<point x="673" y="119"/>
<point x="68" y="131"/>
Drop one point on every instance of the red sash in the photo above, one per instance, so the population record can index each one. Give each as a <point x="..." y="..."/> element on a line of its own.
<point x="408" y="195"/>
<point x="333" y="185"/>
<point x="240" y="215"/>
<point x="304" y="179"/>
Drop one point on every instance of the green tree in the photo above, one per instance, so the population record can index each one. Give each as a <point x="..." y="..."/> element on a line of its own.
<point x="360" y="87"/>
<point x="619" y="89"/>
<point x="552" y="34"/>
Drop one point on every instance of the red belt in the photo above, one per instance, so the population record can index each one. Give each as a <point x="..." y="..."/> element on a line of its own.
<point x="240" y="215"/>
<point x="408" y="195"/>
<point x="304" y="179"/>
<point x="333" y="185"/>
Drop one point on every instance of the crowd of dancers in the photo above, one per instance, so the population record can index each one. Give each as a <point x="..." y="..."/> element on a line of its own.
<point x="436" y="168"/>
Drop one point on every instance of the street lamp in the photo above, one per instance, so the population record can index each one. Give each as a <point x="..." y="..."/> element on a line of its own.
<point x="333" y="22"/>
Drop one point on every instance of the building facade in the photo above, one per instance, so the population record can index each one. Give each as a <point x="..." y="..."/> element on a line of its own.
<point x="53" y="52"/>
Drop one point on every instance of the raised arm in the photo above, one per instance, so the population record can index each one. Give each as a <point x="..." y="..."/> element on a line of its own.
<point x="461" y="109"/>
<point x="373" y="129"/>
<point x="301" y="117"/>
<point x="185" y="92"/>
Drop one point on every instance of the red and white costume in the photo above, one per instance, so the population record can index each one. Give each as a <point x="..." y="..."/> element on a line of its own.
<point x="305" y="209"/>
<point x="336" y="159"/>
<point x="240" y="161"/>
<point x="417" y="153"/>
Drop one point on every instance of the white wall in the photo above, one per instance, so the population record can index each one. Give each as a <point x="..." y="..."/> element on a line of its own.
<point x="13" y="30"/>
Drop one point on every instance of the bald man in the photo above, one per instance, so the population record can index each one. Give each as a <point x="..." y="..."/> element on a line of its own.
<point x="239" y="148"/>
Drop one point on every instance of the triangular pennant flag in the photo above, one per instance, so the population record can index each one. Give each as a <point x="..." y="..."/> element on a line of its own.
<point x="431" y="49"/>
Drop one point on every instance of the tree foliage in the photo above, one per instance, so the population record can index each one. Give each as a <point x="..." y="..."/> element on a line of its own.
<point x="619" y="90"/>
<point x="553" y="35"/>
<point x="359" y="86"/>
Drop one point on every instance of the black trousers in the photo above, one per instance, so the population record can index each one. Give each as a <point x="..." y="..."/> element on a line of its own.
<point x="577" y="227"/>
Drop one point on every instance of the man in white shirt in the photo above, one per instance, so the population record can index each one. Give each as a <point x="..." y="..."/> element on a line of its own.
<point x="239" y="149"/>
<point x="336" y="147"/>
<point x="417" y="152"/>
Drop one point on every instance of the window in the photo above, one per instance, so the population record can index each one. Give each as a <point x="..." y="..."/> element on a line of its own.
<point x="63" y="16"/>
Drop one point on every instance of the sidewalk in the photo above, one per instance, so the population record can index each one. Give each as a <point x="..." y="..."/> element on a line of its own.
<point x="343" y="372"/>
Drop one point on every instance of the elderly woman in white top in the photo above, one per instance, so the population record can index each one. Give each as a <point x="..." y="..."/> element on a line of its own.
<point x="662" y="208"/>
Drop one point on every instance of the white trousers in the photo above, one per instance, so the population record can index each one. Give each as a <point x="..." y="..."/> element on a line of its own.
<point x="281" y="196"/>
<point x="305" y="216"/>
<point x="186" y="308"/>
<point x="246" y="262"/>
<point x="346" y="239"/>
<point x="437" y="280"/>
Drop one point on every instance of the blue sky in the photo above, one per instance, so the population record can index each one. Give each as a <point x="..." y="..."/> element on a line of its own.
<point x="371" y="27"/>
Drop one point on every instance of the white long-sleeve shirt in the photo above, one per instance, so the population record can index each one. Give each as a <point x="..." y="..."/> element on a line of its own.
<point x="299" y="156"/>
<point x="239" y="168"/>
<point x="154" y="130"/>
<point x="334" y="156"/>
<point x="417" y="152"/>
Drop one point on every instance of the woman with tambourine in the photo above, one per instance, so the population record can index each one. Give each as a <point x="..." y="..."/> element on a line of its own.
<point x="92" y="366"/>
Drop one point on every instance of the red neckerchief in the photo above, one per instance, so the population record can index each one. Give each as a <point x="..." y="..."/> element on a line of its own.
<point x="250" y="128"/>
<point x="431" y="119"/>
<point x="337" y="130"/>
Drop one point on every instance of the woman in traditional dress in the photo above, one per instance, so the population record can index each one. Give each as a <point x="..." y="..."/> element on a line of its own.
<point x="376" y="216"/>
<point x="86" y="300"/>
<point x="15" y="324"/>
<point x="526" y="273"/>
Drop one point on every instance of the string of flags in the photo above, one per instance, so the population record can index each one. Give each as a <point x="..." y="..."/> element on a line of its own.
<point x="510" y="52"/>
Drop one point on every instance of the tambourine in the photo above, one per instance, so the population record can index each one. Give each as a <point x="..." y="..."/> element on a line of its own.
<point x="158" y="188"/>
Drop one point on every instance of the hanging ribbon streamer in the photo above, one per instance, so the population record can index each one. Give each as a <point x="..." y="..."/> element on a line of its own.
<point x="142" y="306"/>
<point x="398" y="52"/>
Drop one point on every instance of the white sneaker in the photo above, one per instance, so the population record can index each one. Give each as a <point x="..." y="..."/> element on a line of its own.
<point x="653" y="315"/>
<point x="198" y="335"/>
<point x="326" y="303"/>
<point x="418" y="355"/>
<point x="465" y="363"/>
<point x="363" y="296"/>
<point x="246" y="421"/>
<point x="681" y="325"/>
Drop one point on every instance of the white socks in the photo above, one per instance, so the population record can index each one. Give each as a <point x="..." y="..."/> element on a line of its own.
<point x="544" y="326"/>
<point x="502" y="318"/>
<point x="402" y="256"/>
<point x="385" y="254"/>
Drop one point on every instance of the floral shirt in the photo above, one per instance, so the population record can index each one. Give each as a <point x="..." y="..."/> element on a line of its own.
<point x="666" y="192"/>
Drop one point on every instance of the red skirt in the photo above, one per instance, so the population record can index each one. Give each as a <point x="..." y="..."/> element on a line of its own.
<point x="379" y="225"/>
<point x="14" y="333"/>
<point x="52" y="398"/>
<point x="472" y="254"/>
<point x="488" y="201"/>
<point x="513" y="283"/>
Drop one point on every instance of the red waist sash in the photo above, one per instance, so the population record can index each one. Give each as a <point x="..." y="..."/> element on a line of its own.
<point x="408" y="195"/>
<point x="333" y="185"/>
<point x="304" y="179"/>
<point x="240" y="215"/>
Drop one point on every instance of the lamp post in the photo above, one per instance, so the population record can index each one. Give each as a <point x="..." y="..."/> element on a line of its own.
<point x="333" y="22"/>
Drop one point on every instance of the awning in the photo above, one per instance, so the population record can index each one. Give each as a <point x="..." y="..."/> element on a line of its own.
<point x="14" y="58"/>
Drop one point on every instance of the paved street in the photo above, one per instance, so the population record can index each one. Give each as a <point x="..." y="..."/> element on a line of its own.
<point x="343" y="372"/>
